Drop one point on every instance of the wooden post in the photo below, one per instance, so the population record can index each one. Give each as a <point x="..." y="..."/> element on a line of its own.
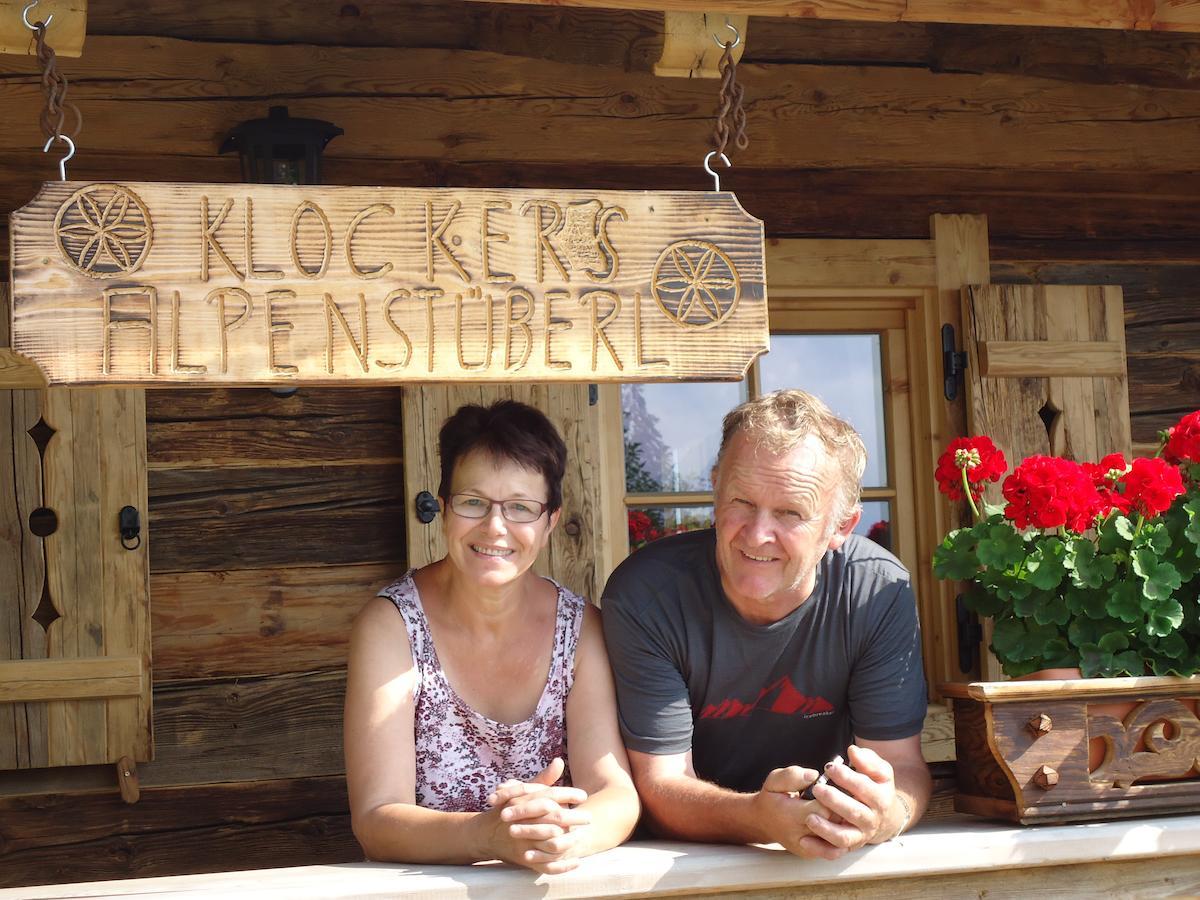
<point x="961" y="248"/>
<point x="64" y="34"/>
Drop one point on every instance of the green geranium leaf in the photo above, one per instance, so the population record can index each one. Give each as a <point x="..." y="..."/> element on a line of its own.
<point x="1173" y="645"/>
<point x="1045" y="564"/>
<point x="984" y="602"/>
<point x="1114" y="641"/>
<point x="1164" y="618"/>
<point x="954" y="559"/>
<point x="1096" y="661"/>
<point x="1023" y="607"/>
<point x="1154" y="536"/>
<point x="1116" y="533"/>
<point x="1125" y="602"/>
<point x="1059" y="654"/>
<point x="1161" y="579"/>
<point x="1084" y="631"/>
<point x="1192" y="509"/>
<point x="1049" y="609"/>
<point x="1093" y="662"/>
<point x="1007" y="637"/>
<point x="1021" y="640"/>
<point x="1087" y="568"/>
<point x="1008" y="588"/>
<point x="1128" y="663"/>
<point x="1001" y="547"/>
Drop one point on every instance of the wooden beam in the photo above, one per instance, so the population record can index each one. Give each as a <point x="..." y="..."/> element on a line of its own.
<point x="1050" y="359"/>
<point x="436" y="105"/>
<point x="690" y="48"/>
<point x="98" y="678"/>
<point x="64" y="33"/>
<point x="1159" y="15"/>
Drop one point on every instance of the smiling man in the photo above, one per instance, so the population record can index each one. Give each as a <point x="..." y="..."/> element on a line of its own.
<point x="747" y="656"/>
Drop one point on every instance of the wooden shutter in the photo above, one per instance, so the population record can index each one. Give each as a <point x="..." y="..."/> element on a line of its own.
<point x="74" y="604"/>
<point x="575" y="547"/>
<point x="1046" y="370"/>
<point x="1045" y="375"/>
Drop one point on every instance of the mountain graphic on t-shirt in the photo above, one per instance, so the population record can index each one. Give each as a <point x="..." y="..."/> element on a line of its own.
<point x="780" y="697"/>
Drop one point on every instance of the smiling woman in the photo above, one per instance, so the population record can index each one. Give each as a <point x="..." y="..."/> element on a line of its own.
<point x="470" y="677"/>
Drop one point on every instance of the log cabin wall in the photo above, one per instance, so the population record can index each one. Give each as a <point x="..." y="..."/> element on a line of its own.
<point x="272" y="518"/>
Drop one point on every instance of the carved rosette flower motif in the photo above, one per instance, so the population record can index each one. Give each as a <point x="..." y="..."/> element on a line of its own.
<point x="104" y="231"/>
<point x="696" y="284"/>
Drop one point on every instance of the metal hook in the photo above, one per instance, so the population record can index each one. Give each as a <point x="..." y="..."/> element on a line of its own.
<point x="707" y="168"/>
<point x="31" y="27"/>
<point x="62" y="163"/>
<point x="737" y="37"/>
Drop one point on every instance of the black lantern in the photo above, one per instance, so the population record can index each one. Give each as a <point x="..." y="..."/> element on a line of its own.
<point x="280" y="149"/>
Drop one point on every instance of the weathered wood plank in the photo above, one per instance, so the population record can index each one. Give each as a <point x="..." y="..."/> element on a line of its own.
<point x="261" y="517"/>
<point x="999" y="359"/>
<point x="73" y="820"/>
<point x="1032" y="214"/>
<point x="481" y="106"/>
<point x="306" y="840"/>
<point x="633" y="40"/>
<point x="70" y="679"/>
<point x="259" y="621"/>
<point x="1086" y="57"/>
<point x="1155" y="14"/>
<point x="231" y="427"/>
<point x="284" y="726"/>
<point x="588" y="36"/>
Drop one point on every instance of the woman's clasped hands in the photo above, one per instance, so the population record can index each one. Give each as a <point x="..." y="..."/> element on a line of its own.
<point x="536" y="823"/>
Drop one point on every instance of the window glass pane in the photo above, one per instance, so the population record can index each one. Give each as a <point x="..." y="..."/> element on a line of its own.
<point x="649" y="523"/>
<point x="876" y="522"/>
<point x="844" y="370"/>
<point x="673" y="432"/>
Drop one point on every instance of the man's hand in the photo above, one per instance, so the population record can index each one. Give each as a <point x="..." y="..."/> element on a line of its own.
<point x="782" y="812"/>
<point x="534" y="824"/>
<point x="859" y="804"/>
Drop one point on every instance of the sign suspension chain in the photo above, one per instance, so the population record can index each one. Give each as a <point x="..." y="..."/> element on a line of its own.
<point x="54" y="84"/>
<point x="730" y="115"/>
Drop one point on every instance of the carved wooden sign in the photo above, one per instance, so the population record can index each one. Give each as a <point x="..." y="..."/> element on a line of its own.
<point x="139" y="283"/>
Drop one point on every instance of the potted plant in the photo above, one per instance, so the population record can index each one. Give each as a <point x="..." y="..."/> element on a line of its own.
<point x="1093" y="570"/>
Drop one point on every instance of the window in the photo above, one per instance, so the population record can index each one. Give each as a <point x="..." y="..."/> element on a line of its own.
<point x="671" y="432"/>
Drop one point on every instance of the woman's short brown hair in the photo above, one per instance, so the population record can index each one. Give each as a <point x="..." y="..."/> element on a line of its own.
<point x="506" y="430"/>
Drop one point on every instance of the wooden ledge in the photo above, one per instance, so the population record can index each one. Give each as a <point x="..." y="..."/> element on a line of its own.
<point x="956" y="846"/>
<point x="1012" y="691"/>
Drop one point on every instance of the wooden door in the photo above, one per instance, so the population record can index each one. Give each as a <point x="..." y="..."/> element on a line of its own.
<point x="74" y="603"/>
<point x="1046" y="375"/>
<point x="575" y="547"/>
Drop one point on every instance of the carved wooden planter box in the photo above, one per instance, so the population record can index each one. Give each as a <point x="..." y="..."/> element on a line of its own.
<point x="1089" y="748"/>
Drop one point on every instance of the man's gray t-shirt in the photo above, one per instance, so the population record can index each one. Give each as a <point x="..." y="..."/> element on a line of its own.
<point x="692" y="674"/>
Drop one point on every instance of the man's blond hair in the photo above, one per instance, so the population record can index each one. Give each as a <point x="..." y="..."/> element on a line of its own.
<point x="778" y="422"/>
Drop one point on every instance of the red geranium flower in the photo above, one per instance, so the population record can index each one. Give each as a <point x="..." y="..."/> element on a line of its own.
<point x="1106" y="476"/>
<point x="978" y="457"/>
<point x="1151" y="485"/>
<point x="1183" y="441"/>
<point x="1048" y="492"/>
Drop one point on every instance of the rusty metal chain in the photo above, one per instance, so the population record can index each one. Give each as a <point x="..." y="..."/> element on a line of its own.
<point x="54" y="85"/>
<point x="730" y="114"/>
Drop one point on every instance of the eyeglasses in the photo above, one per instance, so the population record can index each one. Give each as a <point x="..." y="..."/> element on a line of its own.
<point x="469" y="506"/>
